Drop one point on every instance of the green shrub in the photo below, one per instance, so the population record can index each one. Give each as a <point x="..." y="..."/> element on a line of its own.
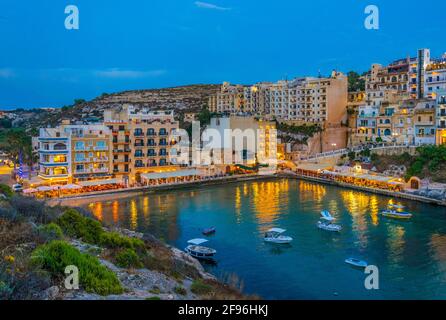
<point x="115" y="240"/>
<point x="75" y="225"/>
<point x="93" y="277"/>
<point x="50" y="232"/>
<point x="6" y="190"/>
<point x="180" y="290"/>
<point x="128" y="258"/>
<point x="200" y="288"/>
<point x="154" y="298"/>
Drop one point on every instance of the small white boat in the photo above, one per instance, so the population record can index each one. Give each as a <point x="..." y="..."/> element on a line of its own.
<point x="396" y="214"/>
<point x="356" y="263"/>
<point x="275" y="235"/>
<point x="328" y="226"/>
<point x="196" y="250"/>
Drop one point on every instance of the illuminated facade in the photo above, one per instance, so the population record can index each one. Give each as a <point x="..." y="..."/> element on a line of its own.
<point x="71" y="153"/>
<point x="143" y="141"/>
<point x="303" y="100"/>
<point x="441" y="118"/>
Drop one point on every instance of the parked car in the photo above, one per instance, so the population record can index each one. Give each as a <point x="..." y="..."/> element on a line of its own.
<point x="17" y="187"/>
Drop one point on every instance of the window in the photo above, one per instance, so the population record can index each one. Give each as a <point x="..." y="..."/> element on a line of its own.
<point x="79" y="145"/>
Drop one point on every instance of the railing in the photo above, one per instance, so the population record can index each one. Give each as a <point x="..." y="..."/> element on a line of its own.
<point x="330" y="154"/>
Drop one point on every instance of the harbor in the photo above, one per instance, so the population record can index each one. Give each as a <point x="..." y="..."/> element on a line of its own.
<point x="407" y="253"/>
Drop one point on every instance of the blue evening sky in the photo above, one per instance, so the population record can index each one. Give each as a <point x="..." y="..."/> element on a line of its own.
<point x="139" y="44"/>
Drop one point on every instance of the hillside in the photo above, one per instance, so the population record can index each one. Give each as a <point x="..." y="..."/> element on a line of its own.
<point x="181" y="99"/>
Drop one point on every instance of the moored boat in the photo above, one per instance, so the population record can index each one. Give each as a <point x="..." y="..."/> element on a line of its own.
<point x="209" y="231"/>
<point x="275" y="235"/>
<point x="196" y="250"/>
<point x="328" y="226"/>
<point x="396" y="214"/>
<point x="356" y="262"/>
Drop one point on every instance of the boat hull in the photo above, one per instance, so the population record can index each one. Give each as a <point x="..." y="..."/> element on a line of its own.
<point x="201" y="253"/>
<point x="396" y="215"/>
<point x="356" y="263"/>
<point x="280" y="240"/>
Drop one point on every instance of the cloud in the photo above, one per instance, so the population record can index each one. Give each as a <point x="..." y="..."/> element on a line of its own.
<point x="7" y="73"/>
<point x="117" y="73"/>
<point x="205" y="5"/>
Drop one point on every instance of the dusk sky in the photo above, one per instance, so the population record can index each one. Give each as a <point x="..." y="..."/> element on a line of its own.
<point x="142" y="44"/>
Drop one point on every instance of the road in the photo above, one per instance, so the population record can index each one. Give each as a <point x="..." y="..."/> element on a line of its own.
<point x="5" y="175"/>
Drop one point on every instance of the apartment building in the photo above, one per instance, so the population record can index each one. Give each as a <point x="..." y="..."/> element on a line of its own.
<point x="303" y="100"/>
<point x="143" y="141"/>
<point x="73" y="153"/>
<point x="366" y="124"/>
<point x="424" y="122"/>
<point x="230" y="99"/>
<point x="435" y="78"/>
<point x="441" y="118"/>
<point x="241" y="140"/>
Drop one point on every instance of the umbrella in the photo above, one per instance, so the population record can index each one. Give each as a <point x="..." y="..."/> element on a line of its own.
<point x="71" y="187"/>
<point x="30" y="190"/>
<point x="44" y="188"/>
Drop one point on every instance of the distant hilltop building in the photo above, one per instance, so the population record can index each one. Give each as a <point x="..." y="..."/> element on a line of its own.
<point x="308" y="100"/>
<point x="403" y="102"/>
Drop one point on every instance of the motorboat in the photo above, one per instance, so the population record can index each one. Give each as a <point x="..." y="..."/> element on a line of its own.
<point x="209" y="231"/>
<point x="356" y="262"/>
<point x="275" y="235"/>
<point x="196" y="250"/>
<point x="326" y="222"/>
<point x="396" y="214"/>
<point x="328" y="226"/>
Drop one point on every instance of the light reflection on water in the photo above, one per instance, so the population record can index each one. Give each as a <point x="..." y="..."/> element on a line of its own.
<point x="411" y="255"/>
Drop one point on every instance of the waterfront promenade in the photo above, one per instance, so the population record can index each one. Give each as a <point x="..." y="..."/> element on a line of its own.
<point x="395" y="194"/>
<point x="164" y="187"/>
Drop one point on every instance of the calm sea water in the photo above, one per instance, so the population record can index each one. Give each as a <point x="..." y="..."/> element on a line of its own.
<point x="410" y="255"/>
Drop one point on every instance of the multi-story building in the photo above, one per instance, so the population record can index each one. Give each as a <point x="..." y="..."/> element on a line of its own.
<point x="230" y="99"/>
<point x="308" y="100"/>
<point x="72" y="153"/>
<point x="402" y="123"/>
<point x="424" y="122"/>
<point x="366" y="124"/>
<point x="144" y="141"/>
<point x="241" y="140"/>
<point x="435" y="78"/>
<point x="441" y="118"/>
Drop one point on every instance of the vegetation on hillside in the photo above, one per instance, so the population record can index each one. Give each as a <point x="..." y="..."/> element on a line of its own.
<point x="37" y="244"/>
<point x="428" y="162"/>
<point x="356" y="82"/>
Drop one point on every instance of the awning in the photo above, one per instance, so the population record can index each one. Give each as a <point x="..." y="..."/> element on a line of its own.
<point x="93" y="183"/>
<point x="71" y="187"/>
<point x="197" y="242"/>
<point x="171" y="174"/>
<point x="30" y="190"/>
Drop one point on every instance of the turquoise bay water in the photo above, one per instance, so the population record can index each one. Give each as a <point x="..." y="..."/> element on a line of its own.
<point x="410" y="255"/>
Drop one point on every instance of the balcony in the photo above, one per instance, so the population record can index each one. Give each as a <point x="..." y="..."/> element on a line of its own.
<point x="138" y="134"/>
<point x="139" y="144"/>
<point x="152" y="154"/>
<point x="139" y="155"/>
